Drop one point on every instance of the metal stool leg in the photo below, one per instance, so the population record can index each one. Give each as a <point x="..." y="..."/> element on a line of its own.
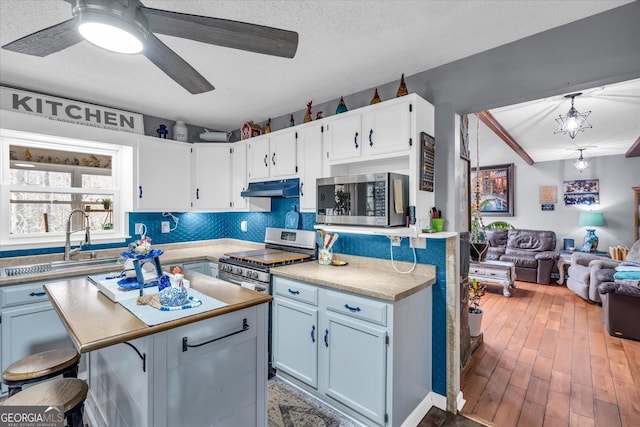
<point x="13" y="389"/>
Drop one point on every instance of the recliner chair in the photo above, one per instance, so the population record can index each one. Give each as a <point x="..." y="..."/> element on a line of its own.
<point x="587" y="271"/>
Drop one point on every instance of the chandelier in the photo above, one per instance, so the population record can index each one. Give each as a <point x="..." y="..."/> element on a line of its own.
<point x="581" y="163"/>
<point x="574" y="121"/>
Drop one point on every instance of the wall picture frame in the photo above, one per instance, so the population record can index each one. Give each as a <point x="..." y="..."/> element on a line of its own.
<point x="582" y="192"/>
<point x="495" y="184"/>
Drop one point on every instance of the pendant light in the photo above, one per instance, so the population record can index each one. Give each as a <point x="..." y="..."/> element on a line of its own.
<point x="581" y="163"/>
<point x="574" y="121"/>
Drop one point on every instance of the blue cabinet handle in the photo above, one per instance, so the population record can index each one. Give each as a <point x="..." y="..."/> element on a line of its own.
<point x="291" y="291"/>
<point x="37" y="294"/>
<point x="370" y="140"/>
<point x="197" y="194"/>
<point x="354" y="309"/>
<point x="301" y="192"/>
<point x="273" y="159"/>
<point x="313" y="333"/>
<point x="326" y="338"/>
<point x="355" y="140"/>
<point x="140" y="192"/>
<point x="266" y="156"/>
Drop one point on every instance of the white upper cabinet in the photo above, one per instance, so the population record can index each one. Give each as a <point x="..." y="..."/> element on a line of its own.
<point x="343" y="137"/>
<point x="163" y="175"/>
<point x="212" y="181"/>
<point x="272" y="156"/>
<point x="387" y="129"/>
<point x="310" y="164"/>
<point x="283" y="158"/>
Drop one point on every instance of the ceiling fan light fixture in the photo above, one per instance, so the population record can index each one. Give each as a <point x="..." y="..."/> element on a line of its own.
<point x="581" y="163"/>
<point x="574" y="121"/>
<point x="111" y="33"/>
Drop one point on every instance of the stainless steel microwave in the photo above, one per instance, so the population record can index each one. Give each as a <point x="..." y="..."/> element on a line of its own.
<point x="376" y="199"/>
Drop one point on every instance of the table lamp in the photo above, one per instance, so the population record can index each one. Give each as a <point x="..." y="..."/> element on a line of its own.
<point x="591" y="219"/>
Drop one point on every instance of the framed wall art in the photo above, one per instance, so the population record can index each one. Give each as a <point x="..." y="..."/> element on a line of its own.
<point x="582" y="192"/>
<point x="495" y="184"/>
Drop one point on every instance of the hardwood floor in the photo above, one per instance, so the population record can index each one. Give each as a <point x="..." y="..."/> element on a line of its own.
<point x="548" y="361"/>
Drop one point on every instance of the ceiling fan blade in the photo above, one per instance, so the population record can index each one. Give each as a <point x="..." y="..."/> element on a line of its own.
<point x="47" y="41"/>
<point x="174" y="66"/>
<point x="223" y="32"/>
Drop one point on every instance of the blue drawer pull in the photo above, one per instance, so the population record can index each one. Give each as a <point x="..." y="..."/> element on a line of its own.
<point x="37" y="294"/>
<point x="355" y="140"/>
<point x="291" y="291"/>
<point x="313" y="333"/>
<point x="348" y="307"/>
<point x="326" y="338"/>
<point x="370" y="139"/>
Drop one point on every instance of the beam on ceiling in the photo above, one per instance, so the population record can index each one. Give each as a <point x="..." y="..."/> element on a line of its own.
<point x="491" y="122"/>
<point x="634" y="150"/>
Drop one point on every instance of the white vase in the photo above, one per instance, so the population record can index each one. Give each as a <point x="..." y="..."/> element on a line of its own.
<point x="475" y="323"/>
<point x="180" y="132"/>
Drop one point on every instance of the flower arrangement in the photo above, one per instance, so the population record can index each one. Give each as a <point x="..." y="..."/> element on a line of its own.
<point x="476" y="292"/>
<point x="141" y="247"/>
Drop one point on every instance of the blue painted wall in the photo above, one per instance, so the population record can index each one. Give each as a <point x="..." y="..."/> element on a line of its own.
<point x="194" y="226"/>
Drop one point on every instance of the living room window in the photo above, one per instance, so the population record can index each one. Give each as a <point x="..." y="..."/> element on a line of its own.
<point x="44" y="179"/>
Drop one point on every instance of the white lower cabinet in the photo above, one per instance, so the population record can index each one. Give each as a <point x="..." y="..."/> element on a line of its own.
<point x="29" y="324"/>
<point x="296" y="343"/>
<point x="356" y="365"/>
<point x="367" y="357"/>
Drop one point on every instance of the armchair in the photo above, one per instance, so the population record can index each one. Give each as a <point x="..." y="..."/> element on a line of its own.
<point x="587" y="272"/>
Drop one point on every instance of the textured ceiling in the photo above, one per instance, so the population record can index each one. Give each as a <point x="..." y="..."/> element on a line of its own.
<point x="345" y="47"/>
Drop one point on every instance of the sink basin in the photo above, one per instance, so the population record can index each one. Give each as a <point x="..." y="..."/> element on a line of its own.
<point x="48" y="267"/>
<point x="83" y="263"/>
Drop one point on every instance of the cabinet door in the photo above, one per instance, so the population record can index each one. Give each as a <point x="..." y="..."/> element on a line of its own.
<point x="212" y="166"/>
<point x="295" y="340"/>
<point x="164" y="177"/>
<point x="310" y="155"/>
<point x="239" y="175"/>
<point x="258" y="158"/>
<point x="283" y="156"/>
<point x="387" y="129"/>
<point x="29" y="329"/>
<point x="344" y="138"/>
<point x="356" y="360"/>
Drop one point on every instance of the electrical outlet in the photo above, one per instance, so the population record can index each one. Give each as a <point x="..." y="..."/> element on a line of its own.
<point x="396" y="240"/>
<point x="165" y="226"/>
<point x="418" y="242"/>
<point x="138" y="229"/>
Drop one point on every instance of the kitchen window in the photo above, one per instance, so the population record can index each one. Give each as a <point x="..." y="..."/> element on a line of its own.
<point x="45" y="178"/>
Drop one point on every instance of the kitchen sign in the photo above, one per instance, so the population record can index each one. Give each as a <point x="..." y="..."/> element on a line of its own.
<point x="66" y="110"/>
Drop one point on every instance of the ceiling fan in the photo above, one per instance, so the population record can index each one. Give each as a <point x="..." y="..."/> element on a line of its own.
<point x="132" y="23"/>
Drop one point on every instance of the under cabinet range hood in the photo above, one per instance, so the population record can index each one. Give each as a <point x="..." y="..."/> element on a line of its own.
<point x="279" y="188"/>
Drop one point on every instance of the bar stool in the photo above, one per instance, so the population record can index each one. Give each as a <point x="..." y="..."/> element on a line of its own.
<point x="70" y="393"/>
<point x="41" y="366"/>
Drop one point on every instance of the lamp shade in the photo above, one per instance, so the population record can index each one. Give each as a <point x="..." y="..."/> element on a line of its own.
<point x="591" y="219"/>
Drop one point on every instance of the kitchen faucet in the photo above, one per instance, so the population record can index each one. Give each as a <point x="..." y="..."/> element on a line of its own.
<point x="68" y="252"/>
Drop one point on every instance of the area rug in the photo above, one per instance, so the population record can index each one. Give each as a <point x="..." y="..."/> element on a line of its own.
<point x="291" y="407"/>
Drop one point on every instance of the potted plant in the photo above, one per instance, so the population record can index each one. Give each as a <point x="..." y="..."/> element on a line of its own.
<point x="478" y="246"/>
<point x="106" y="203"/>
<point x="476" y="292"/>
<point x="107" y="226"/>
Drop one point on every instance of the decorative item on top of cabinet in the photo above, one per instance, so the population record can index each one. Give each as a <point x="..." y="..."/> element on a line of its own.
<point x="249" y="130"/>
<point x="376" y="98"/>
<point x="318" y="115"/>
<point x="162" y="131"/>
<point x="307" y="115"/>
<point x="180" y="132"/>
<point x="342" y="107"/>
<point x="267" y="127"/>
<point x="402" y="89"/>
<point x="292" y="122"/>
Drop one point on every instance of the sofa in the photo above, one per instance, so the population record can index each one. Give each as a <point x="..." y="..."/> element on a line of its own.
<point x="531" y="251"/>
<point x="621" y="302"/>
<point x="587" y="271"/>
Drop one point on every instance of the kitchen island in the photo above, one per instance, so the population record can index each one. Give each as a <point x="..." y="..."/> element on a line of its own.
<point x="205" y="369"/>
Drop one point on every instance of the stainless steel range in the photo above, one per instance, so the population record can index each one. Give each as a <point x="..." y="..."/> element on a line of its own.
<point x="282" y="247"/>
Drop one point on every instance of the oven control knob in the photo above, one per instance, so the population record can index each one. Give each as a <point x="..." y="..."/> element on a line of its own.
<point x="239" y="271"/>
<point x="255" y="274"/>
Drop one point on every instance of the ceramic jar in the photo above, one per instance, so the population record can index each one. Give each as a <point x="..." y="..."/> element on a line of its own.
<point x="180" y="132"/>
